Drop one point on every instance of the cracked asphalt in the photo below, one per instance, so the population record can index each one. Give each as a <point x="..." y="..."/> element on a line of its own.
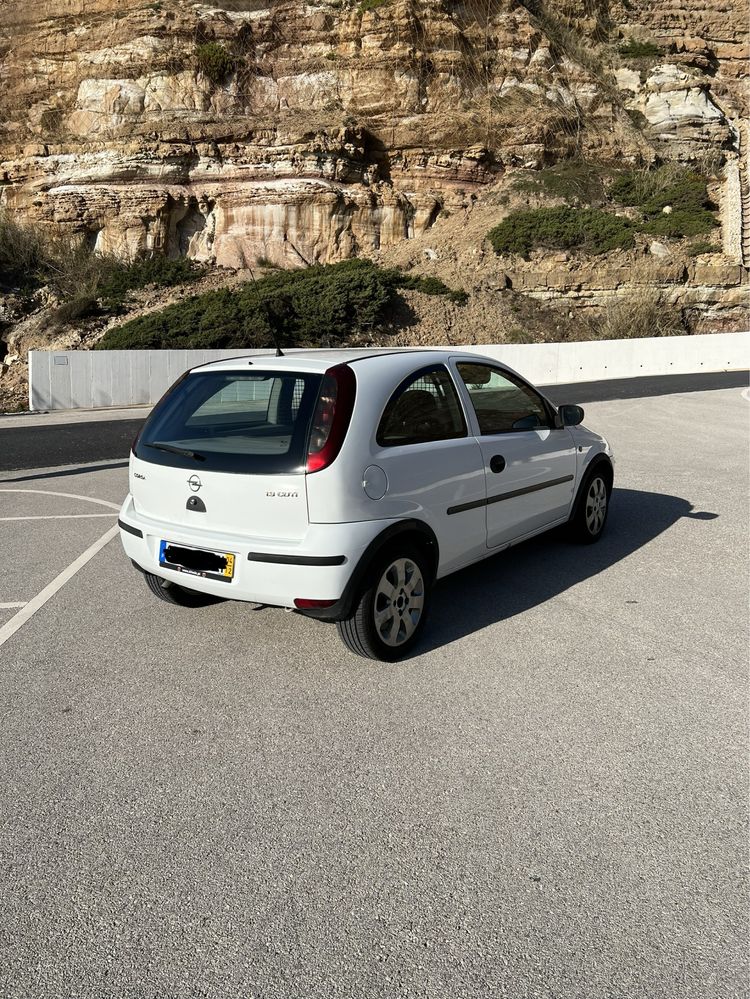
<point x="549" y="800"/>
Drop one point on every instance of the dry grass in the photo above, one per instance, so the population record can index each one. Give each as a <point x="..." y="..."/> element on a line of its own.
<point x="641" y="312"/>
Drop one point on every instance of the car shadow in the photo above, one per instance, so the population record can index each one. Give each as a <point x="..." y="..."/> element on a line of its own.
<point x="75" y="470"/>
<point x="536" y="571"/>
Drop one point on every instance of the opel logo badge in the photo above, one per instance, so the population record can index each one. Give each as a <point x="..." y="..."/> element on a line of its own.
<point x="195" y="483"/>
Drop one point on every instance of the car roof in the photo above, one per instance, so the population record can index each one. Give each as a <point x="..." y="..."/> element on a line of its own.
<point x="319" y="360"/>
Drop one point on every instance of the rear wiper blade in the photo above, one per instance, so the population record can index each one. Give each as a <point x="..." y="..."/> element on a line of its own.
<point x="175" y="450"/>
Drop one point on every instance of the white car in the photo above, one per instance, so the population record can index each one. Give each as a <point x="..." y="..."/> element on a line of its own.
<point x="343" y="484"/>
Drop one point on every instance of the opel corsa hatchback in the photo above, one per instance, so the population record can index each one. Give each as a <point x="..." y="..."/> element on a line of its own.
<point x="344" y="484"/>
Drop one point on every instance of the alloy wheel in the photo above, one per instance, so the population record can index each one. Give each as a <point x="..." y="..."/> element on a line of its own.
<point x="399" y="602"/>
<point x="596" y="505"/>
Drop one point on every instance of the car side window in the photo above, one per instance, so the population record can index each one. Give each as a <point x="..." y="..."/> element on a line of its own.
<point x="425" y="407"/>
<point x="502" y="403"/>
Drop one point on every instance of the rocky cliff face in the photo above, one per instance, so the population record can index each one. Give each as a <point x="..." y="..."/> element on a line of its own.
<point x="250" y="129"/>
<point x="337" y="129"/>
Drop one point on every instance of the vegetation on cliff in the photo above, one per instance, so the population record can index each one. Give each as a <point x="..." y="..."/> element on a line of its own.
<point x="214" y="61"/>
<point x="670" y="185"/>
<point x="561" y="228"/>
<point x="83" y="282"/>
<point x="670" y="201"/>
<point x="315" y="307"/>
<point x="635" y="49"/>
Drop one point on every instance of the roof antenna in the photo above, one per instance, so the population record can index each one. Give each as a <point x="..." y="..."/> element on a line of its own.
<point x="264" y="306"/>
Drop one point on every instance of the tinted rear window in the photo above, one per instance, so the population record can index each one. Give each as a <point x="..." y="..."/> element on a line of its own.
<point x="233" y="422"/>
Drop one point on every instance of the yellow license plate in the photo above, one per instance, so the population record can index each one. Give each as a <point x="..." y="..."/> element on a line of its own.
<point x="196" y="561"/>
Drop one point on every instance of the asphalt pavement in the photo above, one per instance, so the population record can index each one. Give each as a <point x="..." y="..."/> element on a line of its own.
<point x="70" y="438"/>
<point x="548" y="800"/>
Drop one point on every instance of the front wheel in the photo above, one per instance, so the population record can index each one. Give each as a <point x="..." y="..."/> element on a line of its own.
<point x="590" y="514"/>
<point x="390" y="615"/>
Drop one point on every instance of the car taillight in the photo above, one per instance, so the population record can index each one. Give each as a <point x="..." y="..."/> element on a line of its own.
<point x="305" y="603"/>
<point x="330" y="421"/>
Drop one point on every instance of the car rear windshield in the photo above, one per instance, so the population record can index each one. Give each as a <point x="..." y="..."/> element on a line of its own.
<point x="231" y="421"/>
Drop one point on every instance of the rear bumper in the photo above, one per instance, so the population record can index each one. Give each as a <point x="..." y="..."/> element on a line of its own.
<point x="266" y="571"/>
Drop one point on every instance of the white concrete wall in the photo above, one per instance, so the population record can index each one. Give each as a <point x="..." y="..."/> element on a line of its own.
<point x="598" y="360"/>
<point x="92" y="379"/>
<point x="79" y="379"/>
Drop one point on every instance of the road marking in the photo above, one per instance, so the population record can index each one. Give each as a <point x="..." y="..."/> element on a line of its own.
<point x="11" y="606"/>
<point x="48" y="492"/>
<point x="62" y="516"/>
<point x="26" y="613"/>
<point x="28" y="610"/>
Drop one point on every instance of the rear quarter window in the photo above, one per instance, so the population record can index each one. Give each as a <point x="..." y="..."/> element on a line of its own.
<point x="425" y="407"/>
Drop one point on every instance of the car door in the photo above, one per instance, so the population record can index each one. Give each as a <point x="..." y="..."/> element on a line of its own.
<point x="432" y="461"/>
<point x="530" y="465"/>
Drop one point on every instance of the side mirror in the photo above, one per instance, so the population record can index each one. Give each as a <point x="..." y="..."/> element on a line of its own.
<point x="570" y="416"/>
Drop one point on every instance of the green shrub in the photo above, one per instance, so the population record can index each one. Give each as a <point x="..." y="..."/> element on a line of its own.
<point x="652" y="190"/>
<point x="314" y="307"/>
<point x="307" y="307"/>
<point x="76" y="308"/>
<point x="366" y="5"/>
<point x="430" y="286"/>
<point x="688" y="193"/>
<point x="118" y="278"/>
<point x="702" y="246"/>
<point x="680" y="223"/>
<point x="214" y="61"/>
<point x="562" y="228"/>
<point x="679" y="188"/>
<point x="571" y="180"/>
<point x="633" y="49"/>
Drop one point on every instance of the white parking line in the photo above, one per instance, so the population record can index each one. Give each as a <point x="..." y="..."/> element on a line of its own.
<point x="48" y="492"/>
<point x="28" y="610"/>
<point x="12" y="606"/>
<point x="61" y="516"/>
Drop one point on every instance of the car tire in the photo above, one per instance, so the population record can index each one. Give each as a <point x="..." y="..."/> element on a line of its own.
<point x="173" y="593"/>
<point x="589" y="516"/>
<point x="384" y="624"/>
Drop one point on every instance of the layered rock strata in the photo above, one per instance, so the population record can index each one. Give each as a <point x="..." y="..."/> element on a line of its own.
<point x="341" y="128"/>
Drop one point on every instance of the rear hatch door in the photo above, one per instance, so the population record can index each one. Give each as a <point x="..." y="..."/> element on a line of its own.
<point x="225" y="452"/>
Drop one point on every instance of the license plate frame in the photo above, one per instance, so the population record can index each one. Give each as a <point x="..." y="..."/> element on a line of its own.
<point x="175" y="549"/>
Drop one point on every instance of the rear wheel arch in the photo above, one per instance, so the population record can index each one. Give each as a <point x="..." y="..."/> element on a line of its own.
<point x="404" y="534"/>
<point x="387" y="613"/>
<point x="408" y="532"/>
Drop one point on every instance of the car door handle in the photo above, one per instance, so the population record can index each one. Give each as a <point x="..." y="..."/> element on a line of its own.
<point x="497" y="463"/>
